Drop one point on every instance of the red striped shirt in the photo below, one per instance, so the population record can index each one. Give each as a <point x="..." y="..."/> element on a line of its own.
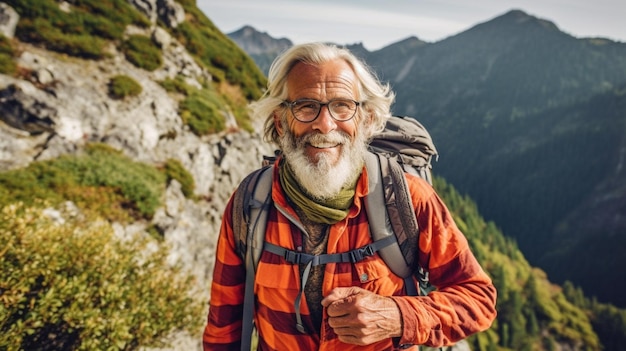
<point x="463" y="304"/>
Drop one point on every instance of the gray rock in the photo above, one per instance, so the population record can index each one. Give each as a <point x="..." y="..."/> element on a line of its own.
<point x="147" y="7"/>
<point x="170" y="12"/>
<point x="8" y="20"/>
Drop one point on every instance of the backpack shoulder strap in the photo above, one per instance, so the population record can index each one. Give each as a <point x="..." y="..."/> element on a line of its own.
<point x="388" y="186"/>
<point x="250" y="208"/>
<point x="251" y="199"/>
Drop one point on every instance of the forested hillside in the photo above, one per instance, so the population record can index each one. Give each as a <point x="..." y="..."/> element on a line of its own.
<point x="529" y="122"/>
<point x="91" y="222"/>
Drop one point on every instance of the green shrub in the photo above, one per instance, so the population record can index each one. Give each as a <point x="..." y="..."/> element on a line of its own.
<point x="5" y="46"/>
<point x="224" y="60"/>
<point x="200" y="111"/>
<point x="201" y="108"/>
<point x="214" y="49"/>
<point x="142" y="52"/>
<point x="7" y="65"/>
<point x="41" y="31"/>
<point x="175" y="170"/>
<point x="177" y="85"/>
<point x="75" y="286"/>
<point x="83" y="32"/>
<point x="103" y="27"/>
<point x="102" y="181"/>
<point x="121" y="86"/>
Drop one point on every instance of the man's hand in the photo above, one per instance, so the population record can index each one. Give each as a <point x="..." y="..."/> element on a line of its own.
<point x="362" y="317"/>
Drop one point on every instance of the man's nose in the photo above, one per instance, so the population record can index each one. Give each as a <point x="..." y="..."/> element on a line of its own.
<point x="325" y="123"/>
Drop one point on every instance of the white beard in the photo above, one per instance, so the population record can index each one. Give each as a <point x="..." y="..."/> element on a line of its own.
<point x="320" y="178"/>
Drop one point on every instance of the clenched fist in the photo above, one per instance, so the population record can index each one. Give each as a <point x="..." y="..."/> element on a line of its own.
<point x="362" y="317"/>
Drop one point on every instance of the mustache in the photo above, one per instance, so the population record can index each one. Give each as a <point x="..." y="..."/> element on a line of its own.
<point x="335" y="137"/>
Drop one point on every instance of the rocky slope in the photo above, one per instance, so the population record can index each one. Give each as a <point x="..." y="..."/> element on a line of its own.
<point x="60" y="103"/>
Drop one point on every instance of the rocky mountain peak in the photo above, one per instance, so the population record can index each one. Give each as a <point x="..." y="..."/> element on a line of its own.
<point x="256" y="42"/>
<point x="515" y="22"/>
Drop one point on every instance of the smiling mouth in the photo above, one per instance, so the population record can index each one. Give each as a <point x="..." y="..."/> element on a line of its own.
<point x="324" y="145"/>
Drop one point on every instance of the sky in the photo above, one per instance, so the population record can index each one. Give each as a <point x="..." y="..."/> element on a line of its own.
<point x="378" y="23"/>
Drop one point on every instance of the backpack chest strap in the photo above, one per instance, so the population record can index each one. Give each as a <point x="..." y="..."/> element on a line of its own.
<point x="352" y="256"/>
<point x="295" y="257"/>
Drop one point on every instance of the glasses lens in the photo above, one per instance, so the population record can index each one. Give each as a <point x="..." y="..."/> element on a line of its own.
<point x="342" y="110"/>
<point x="305" y="110"/>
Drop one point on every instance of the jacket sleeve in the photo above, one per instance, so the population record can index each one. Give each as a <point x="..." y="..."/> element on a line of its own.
<point x="223" y="328"/>
<point x="465" y="299"/>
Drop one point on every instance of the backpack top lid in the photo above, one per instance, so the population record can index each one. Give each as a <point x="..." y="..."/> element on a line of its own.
<point x="408" y="140"/>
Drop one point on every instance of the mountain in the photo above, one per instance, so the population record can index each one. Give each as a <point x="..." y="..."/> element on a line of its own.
<point x="254" y="42"/>
<point x="263" y="48"/>
<point x="530" y="123"/>
<point x="260" y="46"/>
<point x="137" y="128"/>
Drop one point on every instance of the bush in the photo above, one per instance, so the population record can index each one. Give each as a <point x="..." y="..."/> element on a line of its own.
<point x="177" y="85"/>
<point x="75" y="286"/>
<point x="83" y="32"/>
<point x="142" y="52"/>
<point x="7" y="65"/>
<point x="40" y="31"/>
<point x="201" y="108"/>
<point x="215" y="50"/>
<point x="175" y="170"/>
<point x="122" y="86"/>
<point x="102" y="181"/>
<point x="200" y="111"/>
<point x="224" y="60"/>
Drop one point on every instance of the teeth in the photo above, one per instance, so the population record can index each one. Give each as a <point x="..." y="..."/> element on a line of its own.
<point x="323" y="145"/>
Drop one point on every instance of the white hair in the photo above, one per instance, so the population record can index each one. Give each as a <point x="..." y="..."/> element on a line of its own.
<point x="376" y="97"/>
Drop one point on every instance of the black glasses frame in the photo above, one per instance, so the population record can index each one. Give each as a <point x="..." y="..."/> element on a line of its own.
<point x="291" y="105"/>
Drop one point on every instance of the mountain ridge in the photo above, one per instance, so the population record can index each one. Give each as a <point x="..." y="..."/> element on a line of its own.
<point x="499" y="87"/>
<point x="258" y="43"/>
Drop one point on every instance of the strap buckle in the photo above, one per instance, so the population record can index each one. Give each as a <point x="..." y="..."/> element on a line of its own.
<point x="359" y="254"/>
<point x="292" y="257"/>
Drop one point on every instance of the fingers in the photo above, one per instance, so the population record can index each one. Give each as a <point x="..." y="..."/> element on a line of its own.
<point x="349" y="329"/>
<point x="342" y="301"/>
<point x="361" y="317"/>
<point x="339" y="294"/>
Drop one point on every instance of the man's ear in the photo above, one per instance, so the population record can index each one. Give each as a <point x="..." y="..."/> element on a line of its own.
<point x="278" y="124"/>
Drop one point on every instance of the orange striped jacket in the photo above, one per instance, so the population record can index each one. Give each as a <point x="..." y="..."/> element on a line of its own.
<point x="463" y="304"/>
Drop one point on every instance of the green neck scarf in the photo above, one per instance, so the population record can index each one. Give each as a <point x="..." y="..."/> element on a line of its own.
<point x="328" y="211"/>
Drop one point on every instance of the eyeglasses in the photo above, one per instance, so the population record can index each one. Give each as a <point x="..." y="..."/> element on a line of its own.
<point x="307" y="110"/>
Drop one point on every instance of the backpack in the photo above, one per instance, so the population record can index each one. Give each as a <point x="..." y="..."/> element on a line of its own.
<point x="404" y="146"/>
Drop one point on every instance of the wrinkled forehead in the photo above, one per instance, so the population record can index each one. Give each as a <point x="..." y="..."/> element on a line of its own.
<point x="326" y="80"/>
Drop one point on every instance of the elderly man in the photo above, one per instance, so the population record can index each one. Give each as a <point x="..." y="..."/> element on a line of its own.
<point x="321" y="108"/>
